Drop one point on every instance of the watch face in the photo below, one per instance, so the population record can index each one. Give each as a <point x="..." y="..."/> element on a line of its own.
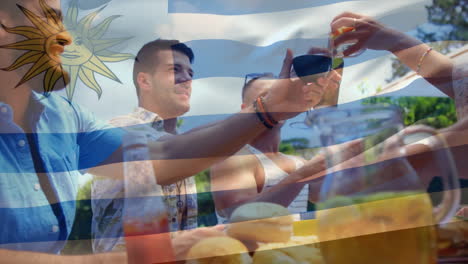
<point x="311" y="67"/>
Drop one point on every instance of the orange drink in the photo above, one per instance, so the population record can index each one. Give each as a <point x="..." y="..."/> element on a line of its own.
<point x="386" y="227"/>
<point x="148" y="243"/>
<point x="305" y="227"/>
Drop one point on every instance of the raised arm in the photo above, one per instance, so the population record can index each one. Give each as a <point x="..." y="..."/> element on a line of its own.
<point x="233" y="183"/>
<point x="180" y="156"/>
<point x="189" y="153"/>
<point x="435" y="67"/>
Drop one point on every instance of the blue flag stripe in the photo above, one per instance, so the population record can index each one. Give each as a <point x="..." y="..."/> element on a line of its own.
<point x="195" y="121"/>
<point x="228" y="58"/>
<point x="242" y="7"/>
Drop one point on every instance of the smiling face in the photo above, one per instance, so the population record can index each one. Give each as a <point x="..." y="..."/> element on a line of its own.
<point x="169" y="87"/>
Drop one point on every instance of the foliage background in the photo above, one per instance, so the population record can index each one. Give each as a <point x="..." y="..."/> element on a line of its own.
<point x="447" y="30"/>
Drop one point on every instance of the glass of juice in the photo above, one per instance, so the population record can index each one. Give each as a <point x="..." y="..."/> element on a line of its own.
<point x="338" y="51"/>
<point x="145" y="218"/>
<point x="373" y="205"/>
<point x="148" y="242"/>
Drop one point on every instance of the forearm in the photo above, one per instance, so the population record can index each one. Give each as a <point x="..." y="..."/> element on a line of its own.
<point x="422" y="161"/>
<point x="286" y="190"/>
<point x="184" y="155"/>
<point x="282" y="193"/>
<point x="314" y="190"/>
<point x="436" y="68"/>
<point x="12" y="256"/>
<point x="431" y="156"/>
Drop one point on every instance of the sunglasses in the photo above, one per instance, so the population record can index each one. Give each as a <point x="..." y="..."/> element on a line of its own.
<point x="310" y="67"/>
<point x="254" y="76"/>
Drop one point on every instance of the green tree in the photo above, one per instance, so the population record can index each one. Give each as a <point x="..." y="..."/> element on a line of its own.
<point x="447" y="12"/>
<point x="437" y="112"/>
<point x="287" y="148"/>
<point x="180" y="122"/>
<point x="206" y="207"/>
<point x="297" y="143"/>
<point x="449" y="28"/>
<point x="79" y="241"/>
<point x="293" y="146"/>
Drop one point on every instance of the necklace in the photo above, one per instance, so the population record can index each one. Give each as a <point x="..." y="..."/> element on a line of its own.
<point x="181" y="206"/>
<point x="180" y="203"/>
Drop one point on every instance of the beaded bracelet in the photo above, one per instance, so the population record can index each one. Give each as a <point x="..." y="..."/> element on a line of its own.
<point x="421" y="60"/>
<point x="260" y="116"/>
<point x="268" y="117"/>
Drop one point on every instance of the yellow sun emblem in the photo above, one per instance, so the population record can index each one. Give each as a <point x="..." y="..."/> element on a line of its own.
<point x="81" y="58"/>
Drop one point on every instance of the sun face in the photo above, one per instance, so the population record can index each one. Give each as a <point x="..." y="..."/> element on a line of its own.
<point x="77" y="53"/>
<point x="54" y="45"/>
<point x="43" y="45"/>
<point x="70" y="51"/>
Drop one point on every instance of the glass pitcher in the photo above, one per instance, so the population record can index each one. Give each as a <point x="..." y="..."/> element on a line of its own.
<point x="373" y="204"/>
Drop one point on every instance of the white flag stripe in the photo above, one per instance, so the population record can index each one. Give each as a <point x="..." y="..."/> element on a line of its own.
<point x="267" y="28"/>
<point x="147" y="20"/>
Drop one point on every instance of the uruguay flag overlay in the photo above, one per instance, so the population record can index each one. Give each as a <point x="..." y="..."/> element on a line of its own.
<point x="50" y="201"/>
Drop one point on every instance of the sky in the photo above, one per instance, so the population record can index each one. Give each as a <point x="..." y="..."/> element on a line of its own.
<point x="240" y="38"/>
<point x="229" y="46"/>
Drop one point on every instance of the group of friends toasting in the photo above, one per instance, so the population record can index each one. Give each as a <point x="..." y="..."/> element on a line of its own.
<point x="47" y="141"/>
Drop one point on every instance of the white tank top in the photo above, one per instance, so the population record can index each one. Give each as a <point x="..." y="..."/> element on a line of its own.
<point x="273" y="175"/>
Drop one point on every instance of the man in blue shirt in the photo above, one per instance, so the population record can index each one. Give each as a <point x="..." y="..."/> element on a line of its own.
<point x="40" y="164"/>
<point x="45" y="141"/>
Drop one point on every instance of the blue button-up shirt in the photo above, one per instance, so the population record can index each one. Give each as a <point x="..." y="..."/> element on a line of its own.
<point x="64" y="140"/>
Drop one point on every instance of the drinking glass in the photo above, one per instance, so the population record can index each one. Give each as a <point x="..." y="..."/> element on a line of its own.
<point x="145" y="217"/>
<point x="337" y="51"/>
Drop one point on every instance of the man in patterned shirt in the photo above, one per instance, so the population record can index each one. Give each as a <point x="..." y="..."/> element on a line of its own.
<point x="162" y="75"/>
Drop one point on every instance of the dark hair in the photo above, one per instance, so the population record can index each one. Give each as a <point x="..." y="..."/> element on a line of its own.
<point x="145" y="60"/>
<point x="252" y="77"/>
<point x="247" y="86"/>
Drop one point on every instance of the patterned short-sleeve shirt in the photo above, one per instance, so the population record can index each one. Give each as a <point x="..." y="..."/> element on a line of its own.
<point x="108" y="194"/>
